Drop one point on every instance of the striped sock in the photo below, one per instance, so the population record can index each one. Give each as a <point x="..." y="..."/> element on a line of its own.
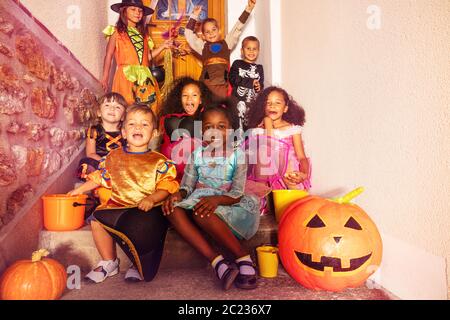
<point x="222" y="268"/>
<point x="246" y="270"/>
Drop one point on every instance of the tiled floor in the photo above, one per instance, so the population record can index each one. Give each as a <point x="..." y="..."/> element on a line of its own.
<point x="200" y="284"/>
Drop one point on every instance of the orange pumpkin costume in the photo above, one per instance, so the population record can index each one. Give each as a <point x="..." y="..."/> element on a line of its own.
<point x="133" y="78"/>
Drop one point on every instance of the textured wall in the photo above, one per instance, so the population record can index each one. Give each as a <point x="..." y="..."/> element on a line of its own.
<point x="78" y="25"/>
<point x="46" y="99"/>
<point x="377" y="104"/>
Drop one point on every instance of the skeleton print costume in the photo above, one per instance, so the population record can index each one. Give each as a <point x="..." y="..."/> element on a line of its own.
<point x="242" y="76"/>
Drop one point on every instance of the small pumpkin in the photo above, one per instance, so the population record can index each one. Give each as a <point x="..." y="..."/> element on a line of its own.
<point x="329" y="244"/>
<point x="36" y="279"/>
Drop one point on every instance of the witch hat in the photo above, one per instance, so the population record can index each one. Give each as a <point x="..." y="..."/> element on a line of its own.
<point x="132" y="3"/>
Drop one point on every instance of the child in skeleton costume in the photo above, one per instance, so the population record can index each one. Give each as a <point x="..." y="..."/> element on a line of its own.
<point x="131" y="47"/>
<point x="214" y="50"/>
<point x="246" y="78"/>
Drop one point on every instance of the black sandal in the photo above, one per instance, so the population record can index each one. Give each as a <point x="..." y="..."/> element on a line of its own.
<point x="245" y="281"/>
<point x="228" y="276"/>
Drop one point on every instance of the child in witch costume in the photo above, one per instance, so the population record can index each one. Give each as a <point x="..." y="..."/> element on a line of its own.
<point x="214" y="50"/>
<point x="139" y="180"/>
<point x="132" y="47"/>
<point x="105" y="135"/>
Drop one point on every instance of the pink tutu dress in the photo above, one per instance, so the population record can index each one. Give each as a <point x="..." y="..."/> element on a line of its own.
<point x="271" y="157"/>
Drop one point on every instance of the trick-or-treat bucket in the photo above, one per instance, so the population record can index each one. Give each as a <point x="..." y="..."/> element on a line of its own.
<point x="267" y="261"/>
<point x="63" y="212"/>
<point x="283" y="198"/>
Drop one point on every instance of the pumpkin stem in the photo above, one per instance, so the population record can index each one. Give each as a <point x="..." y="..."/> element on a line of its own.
<point x="350" y="196"/>
<point x="38" y="255"/>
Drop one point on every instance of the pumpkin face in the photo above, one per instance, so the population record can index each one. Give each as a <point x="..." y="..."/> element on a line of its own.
<point x="34" y="279"/>
<point x="326" y="245"/>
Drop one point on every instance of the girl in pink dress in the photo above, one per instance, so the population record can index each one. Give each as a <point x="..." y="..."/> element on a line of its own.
<point x="275" y="144"/>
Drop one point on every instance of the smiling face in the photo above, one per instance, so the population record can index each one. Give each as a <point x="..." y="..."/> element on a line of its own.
<point x="191" y="98"/>
<point x="211" y="32"/>
<point x="138" y="129"/>
<point x="275" y="106"/>
<point x="250" y="51"/>
<point x="111" y="112"/>
<point x="327" y="245"/>
<point x="134" y="15"/>
<point x="214" y="126"/>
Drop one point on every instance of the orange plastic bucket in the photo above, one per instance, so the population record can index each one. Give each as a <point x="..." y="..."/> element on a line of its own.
<point x="63" y="212"/>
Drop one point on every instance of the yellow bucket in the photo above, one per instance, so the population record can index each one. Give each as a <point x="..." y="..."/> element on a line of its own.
<point x="267" y="261"/>
<point x="283" y="198"/>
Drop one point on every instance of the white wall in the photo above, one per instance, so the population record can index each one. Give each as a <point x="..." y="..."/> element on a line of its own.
<point x="377" y="105"/>
<point x="260" y="25"/>
<point x="78" y="25"/>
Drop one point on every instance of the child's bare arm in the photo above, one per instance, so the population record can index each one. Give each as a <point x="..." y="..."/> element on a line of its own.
<point x="268" y="125"/>
<point x="232" y="37"/>
<point x="85" y="187"/>
<point x="168" y="44"/>
<point x="91" y="151"/>
<point x="194" y="41"/>
<point x="110" y="49"/>
<point x="149" y="202"/>
<point x="303" y="172"/>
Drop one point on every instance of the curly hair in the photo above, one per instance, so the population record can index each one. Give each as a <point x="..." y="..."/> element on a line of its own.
<point x="172" y="104"/>
<point x="257" y="110"/>
<point x="227" y="108"/>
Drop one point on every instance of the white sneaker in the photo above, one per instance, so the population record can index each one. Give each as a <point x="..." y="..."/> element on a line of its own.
<point x="133" y="275"/>
<point x="103" y="270"/>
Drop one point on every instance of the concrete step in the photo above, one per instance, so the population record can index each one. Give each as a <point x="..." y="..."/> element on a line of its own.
<point x="78" y="248"/>
<point x="201" y="284"/>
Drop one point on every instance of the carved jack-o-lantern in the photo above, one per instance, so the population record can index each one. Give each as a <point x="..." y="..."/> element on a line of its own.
<point x="329" y="244"/>
<point x="145" y="93"/>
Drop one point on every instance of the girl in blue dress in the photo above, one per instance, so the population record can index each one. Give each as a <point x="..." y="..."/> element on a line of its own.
<point x="212" y="191"/>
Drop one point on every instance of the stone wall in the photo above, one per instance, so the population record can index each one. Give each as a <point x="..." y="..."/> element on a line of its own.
<point x="46" y="101"/>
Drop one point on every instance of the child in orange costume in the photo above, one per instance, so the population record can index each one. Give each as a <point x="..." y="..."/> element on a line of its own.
<point x="132" y="48"/>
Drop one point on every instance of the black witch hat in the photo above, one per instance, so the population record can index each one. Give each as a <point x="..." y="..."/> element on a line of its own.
<point x="132" y="3"/>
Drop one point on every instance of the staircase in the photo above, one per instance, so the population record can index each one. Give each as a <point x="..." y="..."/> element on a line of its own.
<point x="78" y="248"/>
<point x="183" y="274"/>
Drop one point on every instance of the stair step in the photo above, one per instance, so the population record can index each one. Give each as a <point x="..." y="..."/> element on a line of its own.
<point x="78" y="248"/>
<point x="201" y="284"/>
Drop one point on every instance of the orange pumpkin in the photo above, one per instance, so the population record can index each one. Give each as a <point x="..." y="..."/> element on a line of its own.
<point x="329" y="244"/>
<point x="35" y="279"/>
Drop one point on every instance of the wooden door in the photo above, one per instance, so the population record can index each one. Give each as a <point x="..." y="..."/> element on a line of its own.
<point x="175" y="14"/>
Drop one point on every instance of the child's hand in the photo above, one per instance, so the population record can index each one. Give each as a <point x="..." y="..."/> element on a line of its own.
<point x="206" y="206"/>
<point x="168" y="44"/>
<point x="104" y="83"/>
<point x="197" y="10"/>
<point x="168" y="204"/>
<point x="295" y="177"/>
<point x="257" y="86"/>
<point x="251" y="5"/>
<point x="74" y="192"/>
<point x="147" y="204"/>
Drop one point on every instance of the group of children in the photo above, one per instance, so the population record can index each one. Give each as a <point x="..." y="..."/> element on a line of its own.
<point x="210" y="188"/>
